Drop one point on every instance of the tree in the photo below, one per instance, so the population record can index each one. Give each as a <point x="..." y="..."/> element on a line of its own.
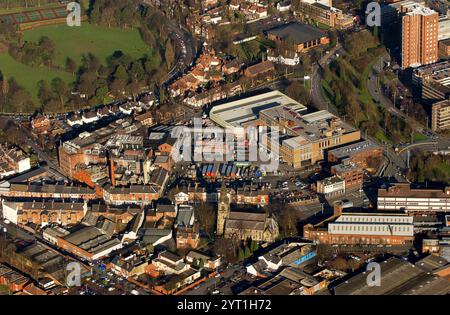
<point x="286" y="218"/>
<point x="60" y="89"/>
<point x="133" y="88"/>
<point x="169" y="54"/>
<point x="137" y="71"/>
<point x="253" y="246"/>
<point x="71" y="66"/>
<point x="121" y="73"/>
<point x="44" y="92"/>
<point x="118" y="87"/>
<point x="297" y="91"/>
<point x="339" y="263"/>
<point x="353" y="264"/>
<point x="101" y="93"/>
<point x="52" y="106"/>
<point x="227" y="248"/>
<point x="20" y="100"/>
<point x="241" y="255"/>
<point x="206" y="216"/>
<point x="48" y="46"/>
<point x="247" y="252"/>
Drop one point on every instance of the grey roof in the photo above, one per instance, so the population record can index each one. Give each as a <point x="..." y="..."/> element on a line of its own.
<point x="397" y="277"/>
<point x="297" y="33"/>
<point x="38" y="172"/>
<point x="354" y="148"/>
<point x="184" y="216"/>
<point x="93" y="239"/>
<point x="152" y="235"/>
<point x="165" y="208"/>
<point x="132" y="189"/>
<point x="246" y="220"/>
<point x="59" y="189"/>
<point x="431" y="263"/>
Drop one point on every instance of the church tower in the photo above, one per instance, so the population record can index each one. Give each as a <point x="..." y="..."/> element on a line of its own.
<point x="223" y="209"/>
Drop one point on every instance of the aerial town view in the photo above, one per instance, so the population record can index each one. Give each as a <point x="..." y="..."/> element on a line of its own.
<point x="224" y="148"/>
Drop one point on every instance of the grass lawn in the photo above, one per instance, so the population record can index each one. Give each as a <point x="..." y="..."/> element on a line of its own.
<point x="382" y="137"/>
<point x="365" y="96"/>
<point x="74" y="42"/>
<point x="28" y="77"/>
<point x="419" y="137"/>
<point x="322" y="26"/>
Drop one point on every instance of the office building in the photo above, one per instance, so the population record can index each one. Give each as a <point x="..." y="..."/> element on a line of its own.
<point x="419" y="35"/>
<point x="440" y="115"/>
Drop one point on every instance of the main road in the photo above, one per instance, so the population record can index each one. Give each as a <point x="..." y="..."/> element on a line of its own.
<point x="395" y="163"/>
<point x="437" y="143"/>
<point x="186" y="45"/>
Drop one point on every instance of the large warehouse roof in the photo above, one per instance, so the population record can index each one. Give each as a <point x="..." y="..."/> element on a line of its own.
<point x="235" y="114"/>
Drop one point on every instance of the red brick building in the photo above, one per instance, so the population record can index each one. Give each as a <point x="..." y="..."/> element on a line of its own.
<point x="262" y="68"/>
<point x="298" y="37"/>
<point x="69" y="158"/>
<point x="359" y="153"/>
<point x="49" y="191"/>
<point x="134" y="194"/>
<point x="188" y="237"/>
<point x="352" y="174"/>
<point x="14" y="280"/>
<point x="166" y="147"/>
<point x="362" y="228"/>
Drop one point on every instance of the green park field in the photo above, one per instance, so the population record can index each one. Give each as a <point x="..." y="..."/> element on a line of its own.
<point x="72" y="42"/>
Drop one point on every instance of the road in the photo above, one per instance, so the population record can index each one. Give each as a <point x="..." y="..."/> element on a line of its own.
<point x="209" y="285"/>
<point x="375" y="91"/>
<point x="400" y="158"/>
<point x="316" y="88"/>
<point x="51" y="161"/>
<point x="185" y="44"/>
<point x="395" y="164"/>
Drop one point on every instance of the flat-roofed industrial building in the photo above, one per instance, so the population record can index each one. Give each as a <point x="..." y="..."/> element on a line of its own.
<point x="304" y="136"/>
<point x="402" y="197"/>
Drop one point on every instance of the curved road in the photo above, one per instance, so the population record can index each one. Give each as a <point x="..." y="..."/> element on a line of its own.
<point x="316" y="90"/>
<point x="395" y="163"/>
<point x="186" y="44"/>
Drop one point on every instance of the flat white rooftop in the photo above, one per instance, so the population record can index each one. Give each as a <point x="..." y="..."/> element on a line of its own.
<point x="237" y="113"/>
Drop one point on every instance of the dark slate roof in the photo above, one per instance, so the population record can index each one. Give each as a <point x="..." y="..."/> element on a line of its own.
<point x="297" y="33"/>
